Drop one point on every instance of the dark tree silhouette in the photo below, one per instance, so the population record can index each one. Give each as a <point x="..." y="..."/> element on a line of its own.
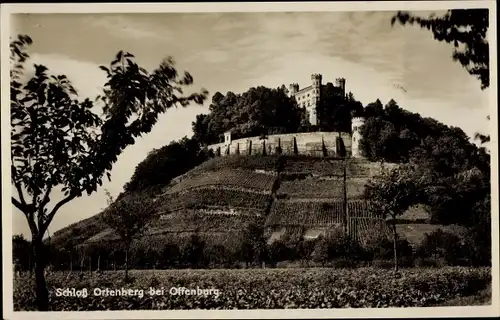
<point x="391" y="194"/>
<point x="164" y="164"/>
<point x="128" y="217"/>
<point x="464" y="28"/>
<point x="57" y="140"/>
<point x="257" y="111"/>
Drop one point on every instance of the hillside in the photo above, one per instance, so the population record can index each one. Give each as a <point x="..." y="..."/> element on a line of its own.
<point x="293" y="196"/>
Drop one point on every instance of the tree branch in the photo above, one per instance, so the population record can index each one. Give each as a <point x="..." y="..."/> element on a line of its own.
<point x="19" y="205"/>
<point x="29" y="216"/>
<point x="51" y="215"/>
<point x="46" y="198"/>
<point x="20" y="192"/>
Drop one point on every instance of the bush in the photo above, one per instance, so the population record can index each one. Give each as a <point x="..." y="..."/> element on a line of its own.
<point x="430" y="262"/>
<point x="442" y="245"/>
<point x="383" y="264"/>
<point x="345" y="263"/>
<point x="268" y="288"/>
<point x="380" y="248"/>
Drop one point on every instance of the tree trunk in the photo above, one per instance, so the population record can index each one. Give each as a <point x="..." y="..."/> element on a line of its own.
<point x="42" y="294"/>
<point x="395" y="244"/>
<point x="99" y="262"/>
<point x="126" y="263"/>
<point x="71" y="264"/>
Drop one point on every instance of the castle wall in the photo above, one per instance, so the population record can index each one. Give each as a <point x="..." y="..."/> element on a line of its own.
<point x="307" y="143"/>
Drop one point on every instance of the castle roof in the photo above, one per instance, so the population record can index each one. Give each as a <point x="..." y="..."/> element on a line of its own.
<point x="305" y="89"/>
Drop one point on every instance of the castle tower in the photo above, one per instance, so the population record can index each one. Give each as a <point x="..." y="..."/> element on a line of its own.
<point x="357" y="122"/>
<point x="316" y="79"/>
<point x="227" y="138"/>
<point x="340" y="83"/>
<point x="293" y="89"/>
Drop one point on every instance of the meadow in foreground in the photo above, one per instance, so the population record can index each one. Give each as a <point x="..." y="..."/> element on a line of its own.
<point x="260" y="288"/>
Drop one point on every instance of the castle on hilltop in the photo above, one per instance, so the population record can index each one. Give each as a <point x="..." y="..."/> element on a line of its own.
<point x="309" y="97"/>
<point x="337" y="144"/>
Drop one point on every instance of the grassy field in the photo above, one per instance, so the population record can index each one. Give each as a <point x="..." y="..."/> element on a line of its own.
<point x="260" y="289"/>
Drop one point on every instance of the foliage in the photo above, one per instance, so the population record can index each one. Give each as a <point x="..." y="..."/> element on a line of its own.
<point x="22" y="253"/>
<point x="128" y="217"/>
<point x="466" y="29"/>
<point x="257" y="111"/>
<point x="57" y="140"/>
<point x="391" y="193"/>
<point x="393" y="134"/>
<point x="379" y="140"/>
<point x="440" y="244"/>
<point x="268" y="288"/>
<point x="320" y="253"/>
<point x="454" y="172"/>
<point x="193" y="252"/>
<point x="164" y="164"/>
<point x="254" y="248"/>
<point x="335" y="109"/>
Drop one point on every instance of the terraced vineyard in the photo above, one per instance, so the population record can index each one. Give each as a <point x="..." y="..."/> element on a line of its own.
<point x="216" y="197"/>
<point x="286" y="191"/>
<point x="228" y="178"/>
<point x="355" y="188"/>
<point x="359" y="209"/>
<point x="191" y="221"/>
<point x="315" y="213"/>
<point x="257" y="162"/>
<point x="364" y="228"/>
<point x="321" y="167"/>
<point x="358" y="168"/>
<point x="312" y="188"/>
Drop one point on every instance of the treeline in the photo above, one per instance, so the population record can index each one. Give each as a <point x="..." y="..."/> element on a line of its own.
<point x="263" y="111"/>
<point x="454" y="172"/>
<point x="439" y="248"/>
<point x="164" y="164"/>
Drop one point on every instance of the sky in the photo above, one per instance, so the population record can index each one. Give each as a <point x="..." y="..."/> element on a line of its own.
<point x="235" y="51"/>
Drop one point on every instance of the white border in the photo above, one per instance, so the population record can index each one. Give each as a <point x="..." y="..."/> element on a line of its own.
<point x="8" y="9"/>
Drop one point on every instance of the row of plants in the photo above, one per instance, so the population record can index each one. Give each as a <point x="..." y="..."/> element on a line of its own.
<point x="185" y="221"/>
<point x="319" y="166"/>
<point x="263" y="289"/>
<point x="312" y="188"/>
<point x="248" y="246"/>
<point x="203" y="198"/>
<point x="228" y="178"/>
<point x="305" y="213"/>
<point x="248" y="162"/>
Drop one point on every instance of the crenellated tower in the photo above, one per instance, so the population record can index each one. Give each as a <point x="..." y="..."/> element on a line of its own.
<point x="293" y="89"/>
<point x="340" y="83"/>
<point x="312" y="109"/>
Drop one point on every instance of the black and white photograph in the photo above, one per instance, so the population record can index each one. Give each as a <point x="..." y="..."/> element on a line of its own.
<point x="250" y="159"/>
